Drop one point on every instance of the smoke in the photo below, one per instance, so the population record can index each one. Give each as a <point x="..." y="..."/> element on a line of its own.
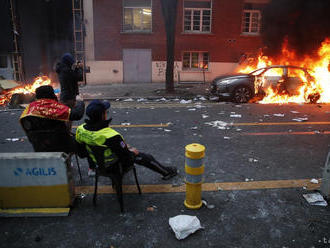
<point x="305" y="23"/>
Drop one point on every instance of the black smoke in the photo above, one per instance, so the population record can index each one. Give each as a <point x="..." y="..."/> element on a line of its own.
<point x="305" y="23"/>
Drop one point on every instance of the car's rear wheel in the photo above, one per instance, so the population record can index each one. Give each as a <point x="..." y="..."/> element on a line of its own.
<point x="242" y="94"/>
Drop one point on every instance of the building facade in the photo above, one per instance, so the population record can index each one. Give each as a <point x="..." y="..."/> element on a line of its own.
<point x="125" y="40"/>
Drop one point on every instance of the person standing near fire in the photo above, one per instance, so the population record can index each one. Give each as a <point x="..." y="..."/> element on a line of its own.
<point x="69" y="74"/>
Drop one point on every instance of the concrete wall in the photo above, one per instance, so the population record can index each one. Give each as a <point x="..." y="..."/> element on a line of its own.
<point x="103" y="72"/>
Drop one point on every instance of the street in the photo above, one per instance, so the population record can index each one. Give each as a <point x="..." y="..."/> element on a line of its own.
<point x="244" y="144"/>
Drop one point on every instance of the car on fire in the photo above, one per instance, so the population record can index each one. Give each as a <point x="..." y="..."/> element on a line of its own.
<point x="241" y="88"/>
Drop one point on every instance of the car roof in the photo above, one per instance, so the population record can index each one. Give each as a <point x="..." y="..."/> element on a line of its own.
<point x="281" y="66"/>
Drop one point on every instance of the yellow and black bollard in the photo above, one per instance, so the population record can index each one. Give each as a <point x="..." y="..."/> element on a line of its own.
<point x="194" y="168"/>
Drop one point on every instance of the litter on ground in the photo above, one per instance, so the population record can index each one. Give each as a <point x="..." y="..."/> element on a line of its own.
<point x="315" y="199"/>
<point x="300" y="119"/>
<point x="184" y="225"/>
<point x="279" y="115"/>
<point x="185" y="101"/>
<point x="314" y="181"/>
<point x="236" y="116"/>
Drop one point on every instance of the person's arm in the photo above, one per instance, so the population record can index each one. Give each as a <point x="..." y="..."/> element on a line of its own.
<point x="120" y="148"/>
<point x="77" y="112"/>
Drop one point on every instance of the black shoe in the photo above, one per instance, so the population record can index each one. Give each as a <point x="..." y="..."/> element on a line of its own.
<point x="172" y="172"/>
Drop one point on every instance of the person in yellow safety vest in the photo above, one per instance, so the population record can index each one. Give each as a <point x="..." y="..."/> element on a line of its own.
<point x="96" y="132"/>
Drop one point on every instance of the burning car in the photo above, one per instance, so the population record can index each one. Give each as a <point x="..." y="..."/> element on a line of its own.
<point x="282" y="79"/>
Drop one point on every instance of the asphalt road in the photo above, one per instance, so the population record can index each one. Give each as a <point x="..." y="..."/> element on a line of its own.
<point x="244" y="143"/>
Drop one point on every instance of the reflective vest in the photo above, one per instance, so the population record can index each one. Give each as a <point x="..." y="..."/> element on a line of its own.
<point x="97" y="138"/>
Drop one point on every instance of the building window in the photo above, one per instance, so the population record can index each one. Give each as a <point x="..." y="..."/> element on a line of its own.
<point x="3" y="61"/>
<point x="251" y="21"/>
<point x="195" y="61"/>
<point x="137" y="16"/>
<point x="197" y="16"/>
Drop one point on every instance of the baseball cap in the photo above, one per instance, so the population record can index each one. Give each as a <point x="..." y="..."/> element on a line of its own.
<point x="96" y="108"/>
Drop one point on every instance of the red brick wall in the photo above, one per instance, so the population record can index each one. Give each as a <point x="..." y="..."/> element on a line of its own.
<point x="224" y="44"/>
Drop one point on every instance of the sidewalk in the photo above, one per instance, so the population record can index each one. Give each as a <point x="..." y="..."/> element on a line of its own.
<point x="143" y="90"/>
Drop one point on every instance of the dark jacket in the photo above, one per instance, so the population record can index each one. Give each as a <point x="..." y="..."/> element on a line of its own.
<point x="116" y="143"/>
<point x="68" y="80"/>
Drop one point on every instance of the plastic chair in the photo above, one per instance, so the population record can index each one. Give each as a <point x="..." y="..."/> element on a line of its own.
<point x="47" y="135"/>
<point x="115" y="172"/>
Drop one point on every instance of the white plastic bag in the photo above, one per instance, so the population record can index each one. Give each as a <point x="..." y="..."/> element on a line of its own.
<point x="184" y="225"/>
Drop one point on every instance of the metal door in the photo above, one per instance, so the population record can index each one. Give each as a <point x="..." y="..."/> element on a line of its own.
<point x="137" y="65"/>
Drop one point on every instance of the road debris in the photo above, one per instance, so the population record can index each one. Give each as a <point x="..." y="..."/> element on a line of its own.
<point x="12" y="139"/>
<point x="300" y="119"/>
<point x="217" y="124"/>
<point x="204" y="116"/>
<point x="236" y="116"/>
<point x="151" y="208"/>
<point x="183" y="101"/>
<point x="315" y="181"/>
<point x="315" y="199"/>
<point x="184" y="225"/>
<point x="279" y="115"/>
<point x="253" y="160"/>
<point x="215" y="98"/>
<point x="209" y="206"/>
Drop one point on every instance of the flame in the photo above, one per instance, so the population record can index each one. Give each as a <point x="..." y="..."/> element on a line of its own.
<point x="315" y="85"/>
<point x="24" y="89"/>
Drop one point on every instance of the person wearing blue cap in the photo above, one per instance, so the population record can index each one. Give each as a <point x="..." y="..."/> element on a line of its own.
<point x="96" y="132"/>
<point x="69" y="74"/>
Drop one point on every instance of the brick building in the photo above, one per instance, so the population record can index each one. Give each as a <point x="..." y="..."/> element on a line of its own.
<point x="126" y="41"/>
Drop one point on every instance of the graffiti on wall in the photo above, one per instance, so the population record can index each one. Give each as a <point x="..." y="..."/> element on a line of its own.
<point x="161" y="69"/>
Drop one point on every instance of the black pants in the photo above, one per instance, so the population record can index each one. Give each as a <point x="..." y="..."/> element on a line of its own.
<point x="150" y="162"/>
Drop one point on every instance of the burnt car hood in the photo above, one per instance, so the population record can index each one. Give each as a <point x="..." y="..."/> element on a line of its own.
<point x="231" y="76"/>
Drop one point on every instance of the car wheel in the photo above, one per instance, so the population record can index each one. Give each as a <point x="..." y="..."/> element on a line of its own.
<point x="242" y="94"/>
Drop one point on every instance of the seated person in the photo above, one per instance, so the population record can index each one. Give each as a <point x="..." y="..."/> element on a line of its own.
<point x="96" y="132"/>
<point x="46" y="122"/>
